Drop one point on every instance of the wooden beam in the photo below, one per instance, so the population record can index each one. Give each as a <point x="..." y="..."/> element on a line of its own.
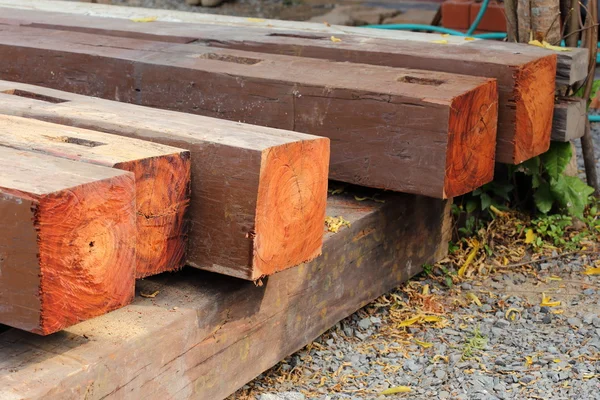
<point x="572" y="65"/>
<point x="162" y="180"/>
<point x="259" y="194"/>
<point x="67" y="241"/>
<point x="412" y="131"/>
<point x="570" y="115"/>
<point x="202" y="327"/>
<point x="524" y="118"/>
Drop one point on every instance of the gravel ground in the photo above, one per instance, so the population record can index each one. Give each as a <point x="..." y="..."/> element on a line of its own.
<point x="509" y="347"/>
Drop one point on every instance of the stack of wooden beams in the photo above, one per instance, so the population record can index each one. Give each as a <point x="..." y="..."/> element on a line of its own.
<point x="127" y="151"/>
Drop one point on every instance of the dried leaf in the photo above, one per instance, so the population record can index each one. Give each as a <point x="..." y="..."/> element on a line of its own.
<point x="440" y="41"/>
<point x="144" y="19"/>
<point x="470" y="258"/>
<point x="396" y="389"/>
<point x="554" y="278"/>
<point x="335" y="40"/>
<point x="512" y="313"/>
<point x="592" y="271"/>
<point x="410" y="321"/>
<point x="336" y="191"/>
<point x="468" y="38"/>
<point x="149" y="295"/>
<point x="496" y="211"/>
<point x="546" y="301"/>
<point x="528" y="361"/>
<point x="529" y="236"/>
<point x="445" y="34"/>
<point x="547" y="45"/>
<point x="473" y="297"/>
<point x="432" y="318"/>
<point x="423" y="344"/>
<point x="334" y="224"/>
<point x="368" y="198"/>
<point x="425" y="291"/>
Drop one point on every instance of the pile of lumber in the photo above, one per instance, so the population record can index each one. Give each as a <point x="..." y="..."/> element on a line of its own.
<point x="131" y="149"/>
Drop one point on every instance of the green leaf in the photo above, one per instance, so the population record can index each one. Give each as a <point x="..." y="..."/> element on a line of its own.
<point x="543" y="198"/>
<point x="572" y="194"/>
<point x="535" y="181"/>
<point x="556" y="159"/>
<point x="531" y="166"/>
<point x="471" y="205"/>
<point x="486" y="201"/>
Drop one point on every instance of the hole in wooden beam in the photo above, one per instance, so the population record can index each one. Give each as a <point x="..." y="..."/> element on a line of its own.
<point x="34" y="96"/>
<point x="78" y="141"/>
<point x="231" y="59"/>
<point x="421" y="81"/>
<point x="296" y="35"/>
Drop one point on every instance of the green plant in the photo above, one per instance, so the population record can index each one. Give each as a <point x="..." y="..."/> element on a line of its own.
<point x="475" y="343"/>
<point x="553" y="189"/>
<point x="595" y="88"/>
<point x="427" y="269"/>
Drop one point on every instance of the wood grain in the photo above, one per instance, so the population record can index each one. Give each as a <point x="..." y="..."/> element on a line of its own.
<point x="389" y="127"/>
<point x="259" y="194"/>
<point x="569" y="120"/>
<point x="228" y="327"/>
<point x="67" y="248"/>
<point x="162" y="181"/>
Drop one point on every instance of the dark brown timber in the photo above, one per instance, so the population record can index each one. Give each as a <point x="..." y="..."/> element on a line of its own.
<point x="569" y="119"/>
<point x="162" y="181"/>
<point x="224" y="327"/>
<point x="259" y="194"/>
<point x="525" y="100"/>
<point x="67" y="241"/>
<point x="419" y="132"/>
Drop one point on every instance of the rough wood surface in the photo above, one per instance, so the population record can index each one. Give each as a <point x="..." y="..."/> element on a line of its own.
<point x="398" y="129"/>
<point x="223" y="327"/>
<point x="525" y="100"/>
<point x="162" y="180"/>
<point x="67" y="241"/>
<point x="569" y="119"/>
<point x="259" y="194"/>
<point x="572" y="65"/>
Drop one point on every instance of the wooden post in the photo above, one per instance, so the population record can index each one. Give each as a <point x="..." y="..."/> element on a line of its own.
<point x="67" y="241"/>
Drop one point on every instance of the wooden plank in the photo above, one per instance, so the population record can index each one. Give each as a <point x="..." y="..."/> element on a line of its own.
<point x="406" y="130"/>
<point x="525" y="99"/>
<point x="162" y="180"/>
<point x="202" y="327"/>
<point x="572" y="65"/>
<point x="248" y="182"/>
<point x="569" y="119"/>
<point x="67" y="241"/>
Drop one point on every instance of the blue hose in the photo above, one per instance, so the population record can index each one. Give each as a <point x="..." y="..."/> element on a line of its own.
<point x="417" y="27"/>
<point x="594" y="118"/>
<point x="482" y="10"/>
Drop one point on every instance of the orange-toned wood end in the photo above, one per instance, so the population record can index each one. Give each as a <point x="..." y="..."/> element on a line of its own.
<point x="473" y="123"/>
<point x="86" y="239"/>
<point x="162" y="198"/>
<point x="290" y="211"/>
<point x="534" y="101"/>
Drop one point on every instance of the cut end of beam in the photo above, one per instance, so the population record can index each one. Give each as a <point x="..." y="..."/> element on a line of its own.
<point x="534" y="99"/>
<point x="472" y="140"/>
<point x="162" y="198"/>
<point x="86" y="238"/>
<point x="290" y="210"/>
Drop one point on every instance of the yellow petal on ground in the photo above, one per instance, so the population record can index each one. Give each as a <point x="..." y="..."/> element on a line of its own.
<point x="470" y="258"/>
<point x="150" y="295"/>
<point x="557" y="311"/>
<point x="546" y="301"/>
<point x="493" y="208"/>
<point x="529" y="236"/>
<point x="473" y="297"/>
<point x="555" y="48"/>
<point x="423" y="344"/>
<point x="397" y="389"/>
<point x="528" y="360"/>
<point x="556" y="360"/>
<point x="255" y="20"/>
<point x="440" y="41"/>
<point x="334" y="224"/>
<point x="469" y="38"/>
<point x="554" y="278"/>
<point x="536" y="43"/>
<point x="425" y="291"/>
<point x="335" y="40"/>
<point x="144" y="19"/>
<point x="440" y="357"/>
<point x="410" y="321"/>
<point x="592" y="271"/>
